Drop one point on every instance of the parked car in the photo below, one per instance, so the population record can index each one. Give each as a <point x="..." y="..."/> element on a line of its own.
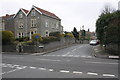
<point x="94" y="42"/>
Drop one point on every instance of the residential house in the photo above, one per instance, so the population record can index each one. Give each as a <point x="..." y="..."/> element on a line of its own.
<point x="43" y="22"/>
<point x="26" y="23"/>
<point x="7" y="23"/>
<point x="34" y="21"/>
<point x="20" y="23"/>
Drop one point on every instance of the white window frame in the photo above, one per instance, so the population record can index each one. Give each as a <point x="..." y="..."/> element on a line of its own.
<point x="46" y="23"/>
<point x="57" y="25"/>
<point x="33" y="22"/>
<point x="47" y="33"/>
<point x="20" y="34"/>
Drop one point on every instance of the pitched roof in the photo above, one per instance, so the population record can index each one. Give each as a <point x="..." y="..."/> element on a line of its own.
<point x="8" y="16"/>
<point x="26" y="11"/>
<point x="23" y="10"/>
<point x="46" y="12"/>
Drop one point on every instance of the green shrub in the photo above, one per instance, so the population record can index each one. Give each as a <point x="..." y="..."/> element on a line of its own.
<point x="22" y="39"/>
<point x="70" y="35"/>
<point x="7" y="37"/>
<point x="49" y="39"/>
<point x="27" y="43"/>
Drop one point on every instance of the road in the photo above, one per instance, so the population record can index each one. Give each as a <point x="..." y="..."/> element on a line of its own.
<point x="73" y="62"/>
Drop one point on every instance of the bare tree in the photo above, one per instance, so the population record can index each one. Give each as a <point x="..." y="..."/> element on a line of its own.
<point x="108" y="9"/>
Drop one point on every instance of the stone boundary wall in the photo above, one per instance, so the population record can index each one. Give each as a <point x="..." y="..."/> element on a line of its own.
<point x="33" y="48"/>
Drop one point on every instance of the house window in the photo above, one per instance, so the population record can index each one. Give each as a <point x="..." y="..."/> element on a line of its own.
<point x="20" y="24"/>
<point x="57" y="25"/>
<point x="46" y="24"/>
<point x="35" y="32"/>
<point x="32" y="33"/>
<point x="33" y="23"/>
<point x="21" y="15"/>
<point x="33" y="13"/>
<point x="46" y="33"/>
<point x="21" y="34"/>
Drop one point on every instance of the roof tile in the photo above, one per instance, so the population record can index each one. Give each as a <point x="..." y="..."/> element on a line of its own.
<point x="47" y="13"/>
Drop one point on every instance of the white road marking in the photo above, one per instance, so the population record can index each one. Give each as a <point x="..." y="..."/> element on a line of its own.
<point x="32" y="67"/>
<point x="101" y="62"/>
<point x="17" y="68"/>
<point x="16" y="65"/>
<point x="113" y="56"/>
<point x="11" y="66"/>
<point x="8" y="64"/>
<point x="64" y="71"/>
<point x="92" y="73"/>
<point x="109" y="75"/>
<point x="77" y="72"/>
<point x="12" y="71"/>
<point x="23" y="66"/>
<point x="63" y="55"/>
<point x="42" y="68"/>
<point x="50" y="69"/>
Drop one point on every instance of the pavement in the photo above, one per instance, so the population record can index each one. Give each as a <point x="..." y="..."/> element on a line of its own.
<point x="99" y="52"/>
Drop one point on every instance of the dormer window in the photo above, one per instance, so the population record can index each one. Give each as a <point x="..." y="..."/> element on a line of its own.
<point x="21" y="15"/>
<point x="33" y="13"/>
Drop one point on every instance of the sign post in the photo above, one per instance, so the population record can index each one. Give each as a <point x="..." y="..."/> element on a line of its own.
<point x="37" y="37"/>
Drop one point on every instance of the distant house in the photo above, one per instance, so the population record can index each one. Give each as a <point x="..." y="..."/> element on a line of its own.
<point x="7" y="23"/>
<point x="34" y="21"/>
<point x="20" y="23"/>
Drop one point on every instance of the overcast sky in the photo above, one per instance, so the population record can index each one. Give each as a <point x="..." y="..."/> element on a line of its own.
<point x="73" y="13"/>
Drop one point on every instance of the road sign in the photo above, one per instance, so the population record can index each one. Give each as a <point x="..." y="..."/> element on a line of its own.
<point x="37" y="36"/>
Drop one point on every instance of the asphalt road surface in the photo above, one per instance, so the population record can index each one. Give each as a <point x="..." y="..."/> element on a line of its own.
<point x="72" y="62"/>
